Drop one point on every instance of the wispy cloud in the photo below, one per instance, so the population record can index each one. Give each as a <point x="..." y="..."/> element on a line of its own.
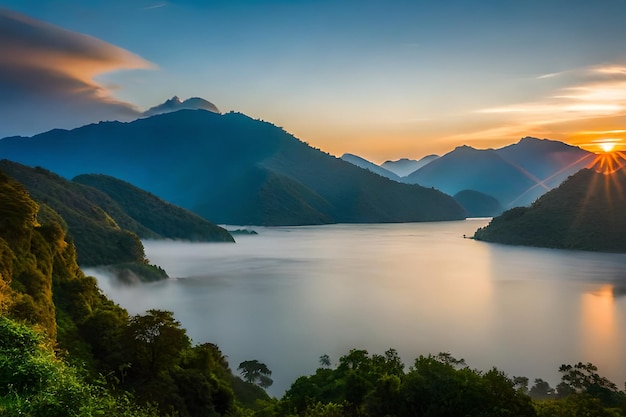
<point x="593" y="93"/>
<point x="550" y="75"/>
<point x="156" y="5"/>
<point x="47" y="76"/>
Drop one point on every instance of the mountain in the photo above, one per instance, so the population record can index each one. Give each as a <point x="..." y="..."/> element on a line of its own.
<point x="585" y="212"/>
<point x="231" y="169"/>
<point x="365" y="164"/>
<point x="160" y="218"/>
<point x="515" y="175"/>
<point x="404" y="167"/>
<point x="175" y="104"/>
<point x="478" y="204"/>
<point x="104" y="231"/>
<point x="466" y="168"/>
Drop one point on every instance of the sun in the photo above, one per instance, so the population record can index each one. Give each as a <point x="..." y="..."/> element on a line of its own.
<point x="607" y="146"/>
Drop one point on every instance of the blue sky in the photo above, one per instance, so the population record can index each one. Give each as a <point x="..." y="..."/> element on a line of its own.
<point x="382" y="79"/>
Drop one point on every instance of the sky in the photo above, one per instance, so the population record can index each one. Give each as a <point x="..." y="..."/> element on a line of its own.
<point x="381" y="79"/>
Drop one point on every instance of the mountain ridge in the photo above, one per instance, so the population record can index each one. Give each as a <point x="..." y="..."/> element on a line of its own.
<point x="213" y="163"/>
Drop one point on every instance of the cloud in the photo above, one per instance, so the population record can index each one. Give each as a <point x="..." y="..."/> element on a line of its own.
<point x="156" y="5"/>
<point x="47" y="77"/>
<point x="592" y="96"/>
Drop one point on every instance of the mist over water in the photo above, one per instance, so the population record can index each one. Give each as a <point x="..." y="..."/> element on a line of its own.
<point x="289" y="295"/>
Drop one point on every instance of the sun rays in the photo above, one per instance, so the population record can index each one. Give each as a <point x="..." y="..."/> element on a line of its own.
<point x="610" y="161"/>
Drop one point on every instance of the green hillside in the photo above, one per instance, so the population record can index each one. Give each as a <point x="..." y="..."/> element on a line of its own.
<point x="66" y="350"/>
<point x="156" y="217"/>
<point x="107" y="228"/>
<point x="586" y="212"/>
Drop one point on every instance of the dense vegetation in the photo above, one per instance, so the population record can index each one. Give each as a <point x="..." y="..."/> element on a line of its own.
<point x="379" y="385"/>
<point x="67" y="350"/>
<point x="586" y="212"/>
<point x="231" y="169"/>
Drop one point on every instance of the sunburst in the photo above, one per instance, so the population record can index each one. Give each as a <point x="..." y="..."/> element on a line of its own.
<point x="609" y="162"/>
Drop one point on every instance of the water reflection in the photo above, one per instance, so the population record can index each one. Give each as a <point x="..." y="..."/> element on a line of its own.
<point x="289" y="295"/>
<point x="599" y="335"/>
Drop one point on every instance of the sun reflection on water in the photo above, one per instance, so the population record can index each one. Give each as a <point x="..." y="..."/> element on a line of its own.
<point x="598" y="331"/>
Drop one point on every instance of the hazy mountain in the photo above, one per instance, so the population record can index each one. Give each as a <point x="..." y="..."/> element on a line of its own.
<point x="365" y="164"/>
<point x="175" y="104"/>
<point x="159" y="217"/>
<point x="404" y="167"/>
<point x="466" y="168"/>
<point x="584" y="212"/>
<point x="478" y="204"/>
<point x="231" y="169"/>
<point x="104" y="231"/>
<point x="515" y="175"/>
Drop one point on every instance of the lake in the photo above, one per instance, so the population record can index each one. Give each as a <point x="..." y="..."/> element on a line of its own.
<point x="291" y="294"/>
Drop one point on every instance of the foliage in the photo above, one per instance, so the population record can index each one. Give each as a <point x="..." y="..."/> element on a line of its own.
<point x="378" y="385"/>
<point x="33" y="382"/>
<point x="255" y="372"/>
<point x="585" y="212"/>
<point x="148" y="355"/>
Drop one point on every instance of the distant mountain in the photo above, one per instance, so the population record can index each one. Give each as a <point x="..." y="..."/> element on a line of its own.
<point x="175" y="104"/>
<point x="104" y="231"/>
<point x="478" y="204"/>
<point x="466" y="168"/>
<point x="585" y="212"/>
<point x="231" y="169"/>
<point x="515" y="175"/>
<point x="404" y="167"/>
<point x="365" y="164"/>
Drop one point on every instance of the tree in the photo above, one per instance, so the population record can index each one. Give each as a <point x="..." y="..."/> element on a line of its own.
<point x="521" y="383"/>
<point x="156" y="341"/>
<point x="540" y="390"/>
<point x="581" y="377"/>
<point x="256" y="372"/>
<point x="325" y="361"/>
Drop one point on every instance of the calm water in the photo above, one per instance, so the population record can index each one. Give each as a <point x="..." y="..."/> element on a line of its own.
<point x="289" y="295"/>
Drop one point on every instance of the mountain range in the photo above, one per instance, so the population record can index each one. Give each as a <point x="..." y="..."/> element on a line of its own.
<point x="405" y="166"/>
<point x="585" y="212"/>
<point x="515" y="175"/>
<point x="231" y="169"/>
<point x="370" y="166"/>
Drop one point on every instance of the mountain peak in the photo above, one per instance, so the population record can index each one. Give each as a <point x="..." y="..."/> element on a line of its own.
<point x="465" y="148"/>
<point x="175" y="104"/>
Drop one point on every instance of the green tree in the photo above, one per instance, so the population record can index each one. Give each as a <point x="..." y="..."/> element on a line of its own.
<point x="156" y="342"/>
<point x="541" y="390"/>
<point x="256" y="372"/>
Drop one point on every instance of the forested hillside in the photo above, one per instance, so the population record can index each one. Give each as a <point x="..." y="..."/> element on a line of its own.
<point x="106" y="218"/>
<point x="586" y="212"/>
<point x="65" y="349"/>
